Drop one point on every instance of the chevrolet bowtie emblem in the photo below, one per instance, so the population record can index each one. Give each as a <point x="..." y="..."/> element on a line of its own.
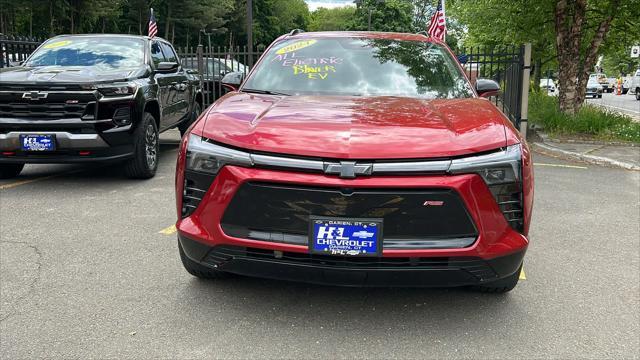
<point x="35" y="95"/>
<point x="348" y="169"/>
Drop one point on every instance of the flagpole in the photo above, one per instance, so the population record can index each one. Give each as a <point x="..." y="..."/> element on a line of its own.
<point x="444" y="15"/>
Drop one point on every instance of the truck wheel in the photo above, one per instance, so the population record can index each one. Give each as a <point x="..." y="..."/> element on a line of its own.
<point x="144" y="163"/>
<point x="8" y="171"/>
<point x="501" y="286"/>
<point x="197" y="109"/>
<point x="197" y="270"/>
<point x="637" y="93"/>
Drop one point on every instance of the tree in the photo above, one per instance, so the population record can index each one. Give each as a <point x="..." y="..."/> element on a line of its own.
<point x="335" y="19"/>
<point x="387" y="15"/>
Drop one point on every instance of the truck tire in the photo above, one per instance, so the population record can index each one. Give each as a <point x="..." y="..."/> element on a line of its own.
<point x="637" y="93"/>
<point x="9" y="171"/>
<point x="144" y="163"/>
<point x="197" y="109"/>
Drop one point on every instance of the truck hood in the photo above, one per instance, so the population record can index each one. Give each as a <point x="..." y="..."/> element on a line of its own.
<point x="355" y="127"/>
<point x="46" y="75"/>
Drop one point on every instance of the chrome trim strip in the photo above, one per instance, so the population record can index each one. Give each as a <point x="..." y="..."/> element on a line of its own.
<point x="417" y="166"/>
<point x="291" y="163"/>
<point x="49" y="92"/>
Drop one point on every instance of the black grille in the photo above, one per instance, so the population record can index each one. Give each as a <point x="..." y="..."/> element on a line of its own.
<point x="220" y="255"/>
<point x="195" y="186"/>
<point x="509" y="199"/>
<point x="285" y="210"/>
<point x="56" y="105"/>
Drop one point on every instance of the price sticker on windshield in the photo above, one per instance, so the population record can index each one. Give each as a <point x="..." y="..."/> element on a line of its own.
<point x="57" y="44"/>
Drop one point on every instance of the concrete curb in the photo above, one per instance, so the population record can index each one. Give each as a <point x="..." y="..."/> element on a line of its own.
<point x="591" y="159"/>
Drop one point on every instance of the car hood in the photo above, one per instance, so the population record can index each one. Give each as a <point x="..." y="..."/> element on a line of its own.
<point x="356" y="127"/>
<point x="68" y="74"/>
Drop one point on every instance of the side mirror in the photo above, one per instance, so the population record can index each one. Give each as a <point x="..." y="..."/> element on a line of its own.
<point x="233" y="80"/>
<point x="487" y="88"/>
<point x="167" y="67"/>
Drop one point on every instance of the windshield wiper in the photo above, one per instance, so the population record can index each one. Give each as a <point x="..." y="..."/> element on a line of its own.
<point x="267" y="92"/>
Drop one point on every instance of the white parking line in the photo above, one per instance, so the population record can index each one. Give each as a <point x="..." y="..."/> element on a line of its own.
<point x="562" y="166"/>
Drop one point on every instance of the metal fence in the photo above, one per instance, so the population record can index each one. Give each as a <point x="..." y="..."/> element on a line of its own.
<point x="505" y="65"/>
<point x="213" y="63"/>
<point x="14" y="49"/>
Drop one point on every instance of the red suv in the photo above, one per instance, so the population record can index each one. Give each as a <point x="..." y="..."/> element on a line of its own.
<point x="352" y="158"/>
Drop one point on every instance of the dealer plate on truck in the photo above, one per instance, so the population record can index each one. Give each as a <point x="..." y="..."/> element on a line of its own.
<point x="38" y="142"/>
<point x="345" y="237"/>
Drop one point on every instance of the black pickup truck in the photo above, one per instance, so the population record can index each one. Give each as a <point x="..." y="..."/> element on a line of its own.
<point x="84" y="98"/>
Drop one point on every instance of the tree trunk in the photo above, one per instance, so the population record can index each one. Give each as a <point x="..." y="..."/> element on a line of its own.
<point x="168" y="22"/>
<point x="51" y="32"/>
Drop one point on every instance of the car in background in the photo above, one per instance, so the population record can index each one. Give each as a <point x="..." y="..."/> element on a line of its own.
<point x="594" y="88"/>
<point x="357" y="159"/>
<point x="89" y="98"/>
<point x="602" y="79"/>
<point x="634" y="84"/>
<point x="213" y="70"/>
<point x="549" y="85"/>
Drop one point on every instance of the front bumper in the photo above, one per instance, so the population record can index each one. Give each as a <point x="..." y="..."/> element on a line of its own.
<point x="496" y="251"/>
<point x="77" y="140"/>
<point x="332" y="270"/>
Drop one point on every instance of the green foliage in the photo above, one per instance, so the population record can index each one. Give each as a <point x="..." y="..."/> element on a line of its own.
<point x="388" y="15"/>
<point x="336" y="19"/>
<point x="590" y="120"/>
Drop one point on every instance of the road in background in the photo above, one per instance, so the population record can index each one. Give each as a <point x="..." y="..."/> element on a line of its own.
<point x="625" y="104"/>
<point x="90" y="269"/>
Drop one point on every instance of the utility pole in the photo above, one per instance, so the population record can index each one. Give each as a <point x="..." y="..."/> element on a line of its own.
<point x="250" y="32"/>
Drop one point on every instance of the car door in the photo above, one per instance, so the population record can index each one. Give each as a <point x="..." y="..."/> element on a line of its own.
<point x="167" y="111"/>
<point x="181" y="92"/>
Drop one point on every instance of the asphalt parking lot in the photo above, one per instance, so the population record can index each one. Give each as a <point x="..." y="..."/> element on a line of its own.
<point x="90" y="269"/>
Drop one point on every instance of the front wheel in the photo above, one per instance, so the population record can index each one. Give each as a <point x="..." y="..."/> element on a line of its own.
<point x="197" y="109"/>
<point x="638" y="94"/>
<point x="9" y="171"/>
<point x="144" y="163"/>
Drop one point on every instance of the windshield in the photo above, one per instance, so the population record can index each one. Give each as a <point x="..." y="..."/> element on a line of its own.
<point x="89" y="51"/>
<point x="359" y="67"/>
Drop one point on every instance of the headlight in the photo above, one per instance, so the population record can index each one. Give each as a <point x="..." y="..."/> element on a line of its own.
<point x="209" y="158"/>
<point x="117" y="89"/>
<point x="496" y="168"/>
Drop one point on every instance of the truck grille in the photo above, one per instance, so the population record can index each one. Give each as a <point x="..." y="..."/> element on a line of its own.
<point x="56" y="105"/>
<point x="275" y="212"/>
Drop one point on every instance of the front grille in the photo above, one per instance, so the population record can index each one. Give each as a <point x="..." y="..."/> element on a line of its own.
<point x="195" y="186"/>
<point x="218" y="256"/>
<point x="56" y="105"/>
<point x="509" y="199"/>
<point x="282" y="212"/>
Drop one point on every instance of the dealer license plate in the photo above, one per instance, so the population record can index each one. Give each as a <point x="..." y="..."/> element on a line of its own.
<point x="344" y="236"/>
<point x="38" y="142"/>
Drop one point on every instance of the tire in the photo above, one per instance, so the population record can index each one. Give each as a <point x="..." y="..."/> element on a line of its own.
<point x="600" y="96"/>
<point x="501" y="286"/>
<point x="9" y="171"/>
<point x="197" y="270"/>
<point x="144" y="163"/>
<point x="638" y="94"/>
<point x="197" y="109"/>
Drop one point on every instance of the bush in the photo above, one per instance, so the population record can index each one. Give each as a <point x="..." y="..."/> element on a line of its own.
<point x="590" y="121"/>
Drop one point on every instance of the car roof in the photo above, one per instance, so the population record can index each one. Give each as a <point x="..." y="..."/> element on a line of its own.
<point x="360" y="34"/>
<point x="143" y="37"/>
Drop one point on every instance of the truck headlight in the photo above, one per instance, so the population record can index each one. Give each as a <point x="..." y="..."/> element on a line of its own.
<point x="117" y="89"/>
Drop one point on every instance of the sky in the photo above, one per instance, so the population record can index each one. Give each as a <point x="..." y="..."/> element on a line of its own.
<point x="314" y="4"/>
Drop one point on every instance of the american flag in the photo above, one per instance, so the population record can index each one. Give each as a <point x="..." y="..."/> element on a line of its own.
<point x="153" y="25"/>
<point x="438" y="25"/>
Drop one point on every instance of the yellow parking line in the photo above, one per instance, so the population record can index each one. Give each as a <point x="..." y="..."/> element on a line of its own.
<point x="522" y="274"/>
<point x="562" y="166"/>
<point x="29" y="181"/>
<point x="168" y="231"/>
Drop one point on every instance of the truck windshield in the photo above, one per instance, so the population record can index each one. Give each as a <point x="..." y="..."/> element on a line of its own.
<point x="359" y="67"/>
<point x="89" y="51"/>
